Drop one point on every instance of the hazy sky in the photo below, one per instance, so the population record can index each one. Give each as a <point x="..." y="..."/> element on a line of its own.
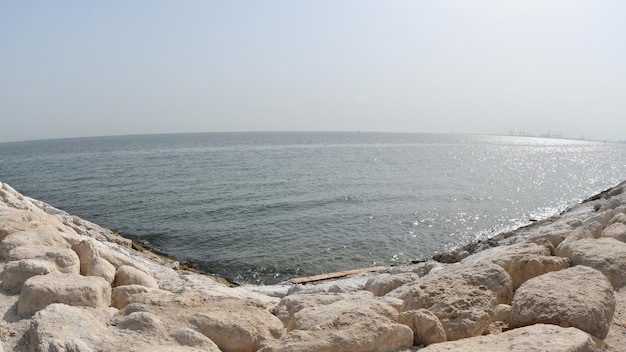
<point x="89" y="68"/>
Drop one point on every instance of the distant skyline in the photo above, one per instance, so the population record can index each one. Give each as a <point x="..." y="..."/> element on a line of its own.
<point x="76" y="69"/>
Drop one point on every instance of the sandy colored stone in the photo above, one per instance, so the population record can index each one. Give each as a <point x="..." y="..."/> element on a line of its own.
<point x="291" y="304"/>
<point x="235" y="324"/>
<point x="91" y="264"/>
<point x="579" y="233"/>
<point x="74" y="290"/>
<point x="616" y="230"/>
<point x="580" y="296"/>
<point x="343" y="322"/>
<point x="17" y="272"/>
<point x="128" y="275"/>
<point x="382" y="284"/>
<point x="618" y="216"/>
<point x="31" y="237"/>
<point x="535" y="338"/>
<point x="141" y="321"/>
<point x="503" y="313"/>
<point x="607" y="255"/>
<point x="463" y="310"/>
<point x="555" y="237"/>
<point x="63" y="259"/>
<point x="427" y="328"/>
<point x="60" y="327"/>
<point x="192" y="338"/>
<point x="501" y="255"/>
<point x="525" y="267"/>
<point x="120" y="294"/>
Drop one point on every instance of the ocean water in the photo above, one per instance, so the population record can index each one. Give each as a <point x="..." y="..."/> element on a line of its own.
<point x="266" y="207"/>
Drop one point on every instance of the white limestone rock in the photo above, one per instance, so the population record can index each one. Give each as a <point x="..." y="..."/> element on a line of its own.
<point x="27" y="261"/>
<point x="91" y="264"/>
<point x="607" y="255"/>
<point x="580" y="296"/>
<point x="71" y="289"/>
<point x="464" y="310"/>
<point x="616" y="230"/>
<point x="525" y="267"/>
<point x="503" y="313"/>
<point x="555" y="237"/>
<point x="128" y="275"/>
<point x="235" y="324"/>
<point x="63" y="259"/>
<point x="363" y="336"/>
<point x="60" y="327"/>
<point x="579" y="233"/>
<point x="500" y="255"/>
<point x="535" y="338"/>
<point x="31" y="237"/>
<point x="618" y="217"/>
<point x="120" y="294"/>
<point x="382" y="284"/>
<point x="427" y="328"/>
<point x="141" y="321"/>
<point x="292" y="304"/>
<point x="192" y="338"/>
<point x="347" y="322"/>
<point x="17" y="272"/>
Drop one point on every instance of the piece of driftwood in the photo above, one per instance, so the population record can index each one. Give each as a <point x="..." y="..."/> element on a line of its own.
<point x="302" y="280"/>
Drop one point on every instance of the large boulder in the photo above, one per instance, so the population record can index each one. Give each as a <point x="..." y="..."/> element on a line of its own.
<point x="607" y="255"/>
<point x="235" y="324"/>
<point x="291" y="304"/>
<point x="60" y="327"/>
<point x="192" y="338"/>
<point x="31" y="237"/>
<point x="578" y="234"/>
<point x="535" y="338"/>
<point x="15" y="220"/>
<point x="71" y="289"/>
<point x="524" y="267"/>
<point x="340" y="322"/>
<point x="382" y="284"/>
<point x="128" y="275"/>
<point x="616" y="230"/>
<point x="580" y="296"/>
<point x="64" y="259"/>
<point x="120" y="294"/>
<point x="17" y="272"/>
<point x="91" y="264"/>
<point x="502" y="255"/>
<point x="27" y="261"/>
<point x="464" y="310"/>
<point x="427" y="328"/>
<point x="345" y="325"/>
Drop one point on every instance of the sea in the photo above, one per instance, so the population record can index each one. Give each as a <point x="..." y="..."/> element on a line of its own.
<point x="262" y="208"/>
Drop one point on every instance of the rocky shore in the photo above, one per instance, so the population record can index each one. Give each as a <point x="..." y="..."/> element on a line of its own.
<point x="557" y="285"/>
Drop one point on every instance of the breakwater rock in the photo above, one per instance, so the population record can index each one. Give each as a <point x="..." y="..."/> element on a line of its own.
<point x="556" y="285"/>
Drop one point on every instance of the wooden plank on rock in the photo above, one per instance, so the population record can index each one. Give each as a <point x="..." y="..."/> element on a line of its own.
<point x="302" y="280"/>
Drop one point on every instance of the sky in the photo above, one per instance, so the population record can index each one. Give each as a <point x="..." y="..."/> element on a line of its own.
<point x="94" y="68"/>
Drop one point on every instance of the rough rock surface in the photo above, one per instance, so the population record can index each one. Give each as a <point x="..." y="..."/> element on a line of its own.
<point x="535" y="338"/>
<point x="607" y="255"/>
<point x="463" y="310"/>
<point x="559" y="298"/>
<point x="233" y="324"/>
<point x="60" y="327"/>
<point x="128" y="275"/>
<point x="385" y="283"/>
<point x="75" y="290"/>
<point x="427" y="328"/>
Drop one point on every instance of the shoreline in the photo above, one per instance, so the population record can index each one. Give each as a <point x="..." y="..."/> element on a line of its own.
<point x="69" y="284"/>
